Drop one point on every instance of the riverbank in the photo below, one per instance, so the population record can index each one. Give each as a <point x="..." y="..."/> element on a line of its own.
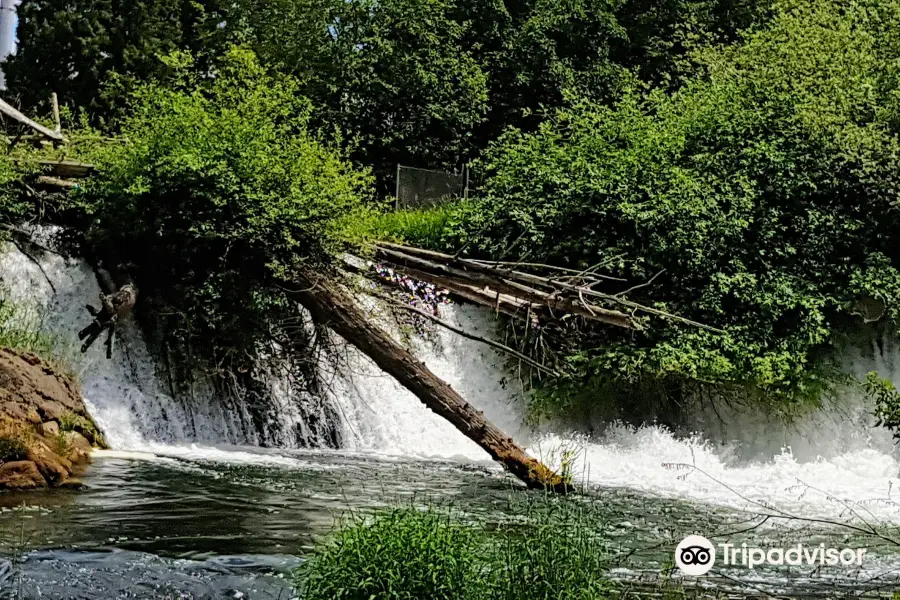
<point x="46" y="432"/>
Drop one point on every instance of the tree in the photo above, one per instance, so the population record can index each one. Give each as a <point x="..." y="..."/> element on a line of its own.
<point x="391" y="75"/>
<point x="220" y="186"/>
<point x="72" y="47"/>
<point x="763" y="198"/>
<point x="233" y="213"/>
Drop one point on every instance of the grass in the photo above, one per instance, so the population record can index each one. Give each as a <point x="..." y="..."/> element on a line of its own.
<point x="424" y="228"/>
<point x="23" y="329"/>
<point x="550" y="550"/>
<point x="15" y="439"/>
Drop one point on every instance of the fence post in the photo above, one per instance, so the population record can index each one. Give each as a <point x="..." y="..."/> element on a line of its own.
<point x="466" y="189"/>
<point x="397" y="193"/>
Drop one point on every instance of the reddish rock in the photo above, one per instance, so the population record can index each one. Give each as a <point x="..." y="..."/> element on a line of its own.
<point x="34" y="400"/>
<point x="21" y="475"/>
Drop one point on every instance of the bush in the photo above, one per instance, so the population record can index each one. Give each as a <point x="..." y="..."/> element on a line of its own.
<point x="220" y="191"/>
<point x="760" y="199"/>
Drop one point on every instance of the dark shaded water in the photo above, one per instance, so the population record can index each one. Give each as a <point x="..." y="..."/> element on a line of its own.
<point x="170" y="528"/>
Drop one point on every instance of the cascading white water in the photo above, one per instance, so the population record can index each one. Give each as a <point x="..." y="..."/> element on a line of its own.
<point x="124" y="394"/>
<point x="837" y="451"/>
<point x="381" y="415"/>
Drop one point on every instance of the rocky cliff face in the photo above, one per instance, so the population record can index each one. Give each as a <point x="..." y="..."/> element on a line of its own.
<point x="46" y="433"/>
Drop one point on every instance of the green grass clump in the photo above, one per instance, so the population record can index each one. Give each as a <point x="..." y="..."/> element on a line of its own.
<point x="551" y="551"/>
<point x="423" y="228"/>
<point x="23" y="329"/>
<point x="403" y="554"/>
<point x="556" y="554"/>
<point x="15" y="440"/>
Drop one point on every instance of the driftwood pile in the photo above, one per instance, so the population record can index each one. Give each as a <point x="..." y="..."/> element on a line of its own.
<point x="506" y="287"/>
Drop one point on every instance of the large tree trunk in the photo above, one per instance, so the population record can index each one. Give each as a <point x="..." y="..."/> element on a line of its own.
<point x="332" y="306"/>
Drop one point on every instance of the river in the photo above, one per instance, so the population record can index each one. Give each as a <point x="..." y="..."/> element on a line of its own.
<point x="187" y="505"/>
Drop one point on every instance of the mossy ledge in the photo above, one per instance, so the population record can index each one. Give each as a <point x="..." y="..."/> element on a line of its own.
<point x="46" y="433"/>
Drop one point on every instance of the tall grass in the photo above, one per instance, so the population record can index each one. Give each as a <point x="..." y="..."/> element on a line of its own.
<point x="24" y="328"/>
<point x="549" y="550"/>
<point x="424" y="228"/>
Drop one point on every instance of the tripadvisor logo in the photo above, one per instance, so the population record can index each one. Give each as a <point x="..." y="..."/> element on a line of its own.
<point x="696" y="555"/>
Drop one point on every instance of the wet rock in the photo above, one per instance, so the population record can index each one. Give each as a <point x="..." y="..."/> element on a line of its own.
<point x="35" y="400"/>
<point x="79" y="447"/>
<point x="72" y="484"/>
<point x="21" y="475"/>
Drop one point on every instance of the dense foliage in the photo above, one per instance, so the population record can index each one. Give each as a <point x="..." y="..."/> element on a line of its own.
<point x="74" y="48"/>
<point x="742" y="155"/>
<point x="427" y="83"/>
<point x="219" y="189"/>
<point x="763" y="194"/>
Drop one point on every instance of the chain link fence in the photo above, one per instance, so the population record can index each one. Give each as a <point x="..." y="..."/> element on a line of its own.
<point x="421" y="188"/>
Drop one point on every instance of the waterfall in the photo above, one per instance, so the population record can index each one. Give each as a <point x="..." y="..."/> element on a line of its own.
<point x="742" y="456"/>
<point x="133" y="404"/>
<point x="125" y="394"/>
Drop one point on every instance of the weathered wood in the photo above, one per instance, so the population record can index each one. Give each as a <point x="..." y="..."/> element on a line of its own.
<point x="67" y="169"/>
<point x="9" y="111"/>
<point x="332" y="306"/>
<point x="478" y="278"/>
<point x="56" y="182"/>
<point x="55" y="101"/>
<point x="557" y="294"/>
<point x="507" y="305"/>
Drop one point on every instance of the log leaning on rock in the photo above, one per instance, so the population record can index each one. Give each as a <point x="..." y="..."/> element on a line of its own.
<point x="330" y="305"/>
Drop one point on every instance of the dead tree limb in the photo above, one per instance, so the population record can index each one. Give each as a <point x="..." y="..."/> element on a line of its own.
<point x="9" y="111"/>
<point x="330" y="305"/>
<point x="555" y="293"/>
<point x="483" y="277"/>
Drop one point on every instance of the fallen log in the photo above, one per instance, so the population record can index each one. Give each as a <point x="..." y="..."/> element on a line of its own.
<point x="330" y="305"/>
<point x="9" y="111"/>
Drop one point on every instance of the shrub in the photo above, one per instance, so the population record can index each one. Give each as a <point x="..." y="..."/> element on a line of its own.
<point x="760" y="199"/>
<point x="220" y="191"/>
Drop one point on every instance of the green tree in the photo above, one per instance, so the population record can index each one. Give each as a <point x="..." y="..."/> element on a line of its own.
<point x="220" y="190"/>
<point x="72" y="47"/>
<point x="764" y="193"/>
<point x="391" y="75"/>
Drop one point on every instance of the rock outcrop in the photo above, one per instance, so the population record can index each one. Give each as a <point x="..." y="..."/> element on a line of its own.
<point x="46" y="433"/>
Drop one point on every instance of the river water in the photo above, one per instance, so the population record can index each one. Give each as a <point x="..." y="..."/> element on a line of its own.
<point x="187" y="505"/>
